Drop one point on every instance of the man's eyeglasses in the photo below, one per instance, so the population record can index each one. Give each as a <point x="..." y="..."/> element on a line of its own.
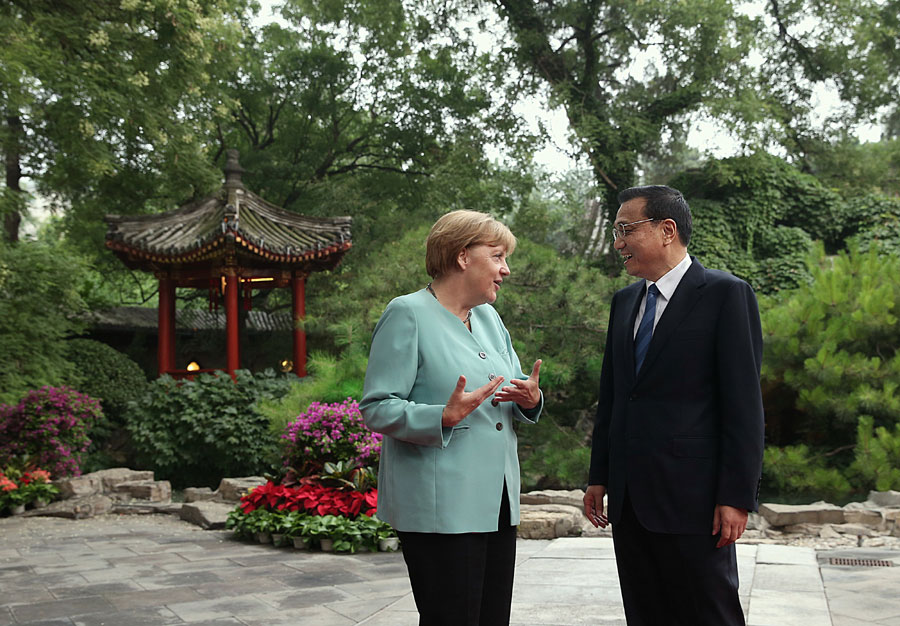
<point x="618" y="230"/>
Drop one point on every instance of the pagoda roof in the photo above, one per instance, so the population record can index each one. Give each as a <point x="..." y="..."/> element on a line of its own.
<point x="233" y="225"/>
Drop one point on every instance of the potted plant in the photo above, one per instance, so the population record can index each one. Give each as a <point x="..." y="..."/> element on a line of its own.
<point x="259" y="525"/>
<point x="388" y="541"/>
<point x="37" y="488"/>
<point x="11" y="496"/>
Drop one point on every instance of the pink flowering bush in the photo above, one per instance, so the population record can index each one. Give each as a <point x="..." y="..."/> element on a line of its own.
<point x="49" y="427"/>
<point x="329" y="433"/>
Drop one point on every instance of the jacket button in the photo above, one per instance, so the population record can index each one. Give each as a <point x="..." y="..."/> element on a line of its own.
<point x="499" y="426"/>
<point x="492" y="376"/>
<point x="482" y="355"/>
<point x="495" y="402"/>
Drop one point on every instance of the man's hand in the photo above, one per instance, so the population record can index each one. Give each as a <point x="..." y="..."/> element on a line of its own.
<point x="525" y="393"/>
<point x="463" y="402"/>
<point x="593" y="505"/>
<point x="730" y="521"/>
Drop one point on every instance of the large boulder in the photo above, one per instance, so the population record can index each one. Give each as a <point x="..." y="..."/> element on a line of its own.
<point x="549" y="521"/>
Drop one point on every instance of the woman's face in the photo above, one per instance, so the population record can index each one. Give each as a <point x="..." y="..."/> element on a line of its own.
<point x="485" y="268"/>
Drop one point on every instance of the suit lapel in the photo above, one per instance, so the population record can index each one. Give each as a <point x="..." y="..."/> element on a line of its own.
<point x="686" y="296"/>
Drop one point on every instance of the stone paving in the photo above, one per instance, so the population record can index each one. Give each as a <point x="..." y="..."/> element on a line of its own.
<point x="158" y="570"/>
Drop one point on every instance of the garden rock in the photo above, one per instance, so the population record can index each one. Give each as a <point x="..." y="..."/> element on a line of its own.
<point x="551" y="496"/>
<point x="199" y="494"/>
<point x="78" y="486"/>
<point x="793" y="514"/>
<point x="549" y="521"/>
<point x="231" y="489"/>
<point x="207" y="515"/>
<point x="79" y="507"/>
<point x="149" y="490"/>
<point x="885" y="499"/>
<point x="114" y="476"/>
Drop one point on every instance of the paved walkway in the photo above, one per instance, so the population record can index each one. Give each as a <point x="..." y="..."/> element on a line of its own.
<point x="155" y="570"/>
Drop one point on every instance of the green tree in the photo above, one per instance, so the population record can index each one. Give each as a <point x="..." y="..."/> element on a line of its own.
<point x="586" y="53"/>
<point x="104" y="103"/>
<point x="832" y="350"/>
<point x="39" y="305"/>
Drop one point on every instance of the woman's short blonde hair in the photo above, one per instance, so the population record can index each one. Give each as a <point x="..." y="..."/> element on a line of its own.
<point x="458" y="230"/>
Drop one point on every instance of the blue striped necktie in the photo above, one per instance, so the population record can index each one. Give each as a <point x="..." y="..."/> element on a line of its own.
<point x="645" y="330"/>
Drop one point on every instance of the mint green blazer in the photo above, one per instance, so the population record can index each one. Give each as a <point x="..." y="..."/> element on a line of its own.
<point x="434" y="479"/>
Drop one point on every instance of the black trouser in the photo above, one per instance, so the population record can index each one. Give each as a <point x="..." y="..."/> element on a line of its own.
<point x="465" y="579"/>
<point x="675" y="580"/>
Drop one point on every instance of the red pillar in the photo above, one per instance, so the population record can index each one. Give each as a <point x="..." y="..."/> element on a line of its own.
<point x="298" y="284"/>
<point x="232" y="328"/>
<point x="165" y="352"/>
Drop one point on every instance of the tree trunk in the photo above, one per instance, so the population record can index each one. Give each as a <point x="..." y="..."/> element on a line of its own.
<point x="12" y="152"/>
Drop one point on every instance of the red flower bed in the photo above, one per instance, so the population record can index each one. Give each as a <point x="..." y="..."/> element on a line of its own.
<point x="313" y="499"/>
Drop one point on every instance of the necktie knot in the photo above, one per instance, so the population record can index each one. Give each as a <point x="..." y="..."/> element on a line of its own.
<point x="645" y="329"/>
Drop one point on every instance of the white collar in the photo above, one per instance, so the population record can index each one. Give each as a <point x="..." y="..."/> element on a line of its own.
<point x="668" y="283"/>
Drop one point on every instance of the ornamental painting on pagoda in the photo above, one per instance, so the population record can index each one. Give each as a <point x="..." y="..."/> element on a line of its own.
<point x="229" y="244"/>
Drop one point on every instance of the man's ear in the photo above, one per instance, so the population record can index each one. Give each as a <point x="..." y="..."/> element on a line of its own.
<point x="670" y="231"/>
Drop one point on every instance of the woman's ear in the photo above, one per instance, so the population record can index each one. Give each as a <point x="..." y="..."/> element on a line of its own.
<point x="462" y="259"/>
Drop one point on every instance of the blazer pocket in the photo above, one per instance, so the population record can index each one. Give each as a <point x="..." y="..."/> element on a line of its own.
<point x="694" y="447"/>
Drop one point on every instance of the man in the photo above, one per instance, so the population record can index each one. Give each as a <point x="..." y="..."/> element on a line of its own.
<point x="678" y="440"/>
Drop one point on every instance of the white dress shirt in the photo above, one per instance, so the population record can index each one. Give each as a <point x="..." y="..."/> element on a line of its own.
<point x="667" y="285"/>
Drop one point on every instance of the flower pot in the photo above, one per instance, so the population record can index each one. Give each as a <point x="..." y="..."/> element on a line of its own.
<point x="389" y="544"/>
<point x="40" y="503"/>
<point x="327" y="545"/>
<point x="278" y="539"/>
<point x="17" y="509"/>
<point x="300" y="543"/>
<point x="264" y="537"/>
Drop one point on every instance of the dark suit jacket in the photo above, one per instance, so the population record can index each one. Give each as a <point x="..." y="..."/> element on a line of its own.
<point x="686" y="432"/>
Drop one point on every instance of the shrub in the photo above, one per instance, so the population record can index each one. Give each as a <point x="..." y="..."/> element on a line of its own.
<point x="48" y="427"/>
<point x="108" y="375"/>
<point x="329" y="433"/>
<point x="196" y="432"/>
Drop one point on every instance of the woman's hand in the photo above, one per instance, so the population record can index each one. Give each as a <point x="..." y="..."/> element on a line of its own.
<point x="463" y="402"/>
<point x="525" y="393"/>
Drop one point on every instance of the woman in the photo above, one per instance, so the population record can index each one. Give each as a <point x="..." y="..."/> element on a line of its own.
<point x="449" y="475"/>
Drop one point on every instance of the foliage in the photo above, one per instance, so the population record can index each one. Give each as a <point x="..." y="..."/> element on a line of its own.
<point x="832" y="349"/>
<point x="39" y="307"/>
<point x="794" y="472"/>
<point x="329" y="378"/>
<point x="48" y="427"/>
<point x="107" y="104"/>
<point x="553" y="457"/>
<point x="329" y="433"/>
<point x="757" y="215"/>
<point x="108" y="375"/>
<point x="877" y="456"/>
<point x="854" y="168"/>
<point x="587" y="53"/>
<point x="195" y="432"/>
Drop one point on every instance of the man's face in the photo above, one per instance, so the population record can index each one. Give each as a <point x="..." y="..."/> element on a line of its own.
<point x="641" y="248"/>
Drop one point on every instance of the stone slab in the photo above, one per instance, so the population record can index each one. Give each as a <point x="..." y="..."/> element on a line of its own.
<point x="791" y="514"/>
<point x="207" y="515"/>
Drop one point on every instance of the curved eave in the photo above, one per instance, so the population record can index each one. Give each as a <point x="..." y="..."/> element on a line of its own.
<point x="216" y="248"/>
